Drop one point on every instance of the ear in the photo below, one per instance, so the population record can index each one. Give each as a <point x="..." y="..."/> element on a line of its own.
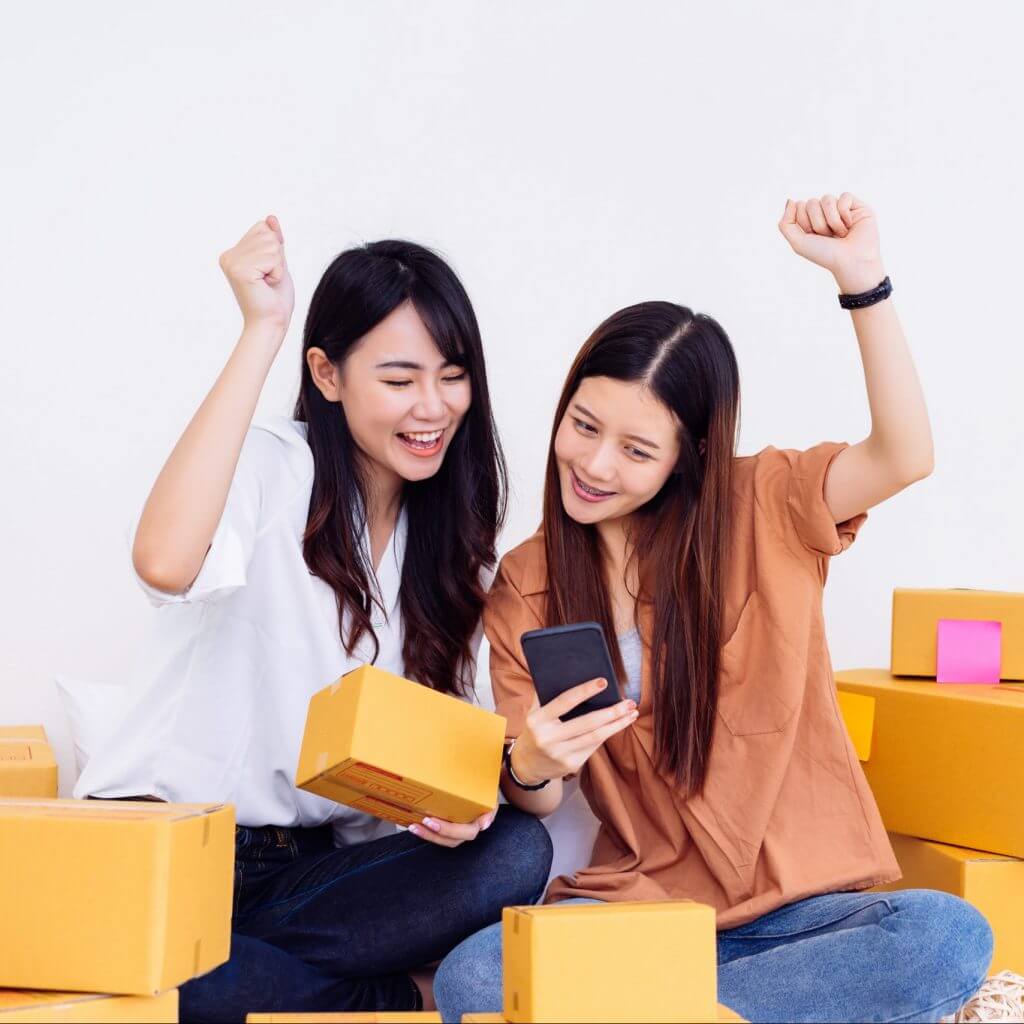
<point x="326" y="376"/>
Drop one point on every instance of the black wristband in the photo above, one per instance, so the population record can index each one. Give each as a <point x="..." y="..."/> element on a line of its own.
<point x="506" y="758"/>
<point x="869" y="298"/>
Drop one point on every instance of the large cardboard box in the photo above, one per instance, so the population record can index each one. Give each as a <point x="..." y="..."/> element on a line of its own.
<point x="859" y="717"/>
<point x="113" y="896"/>
<point x="915" y="620"/>
<point x="947" y="761"/>
<point x="364" y="1017"/>
<point x="27" y="764"/>
<point x="722" y="1014"/>
<point x="400" y="751"/>
<point x="992" y="883"/>
<point x="610" y="962"/>
<point x="17" y="1005"/>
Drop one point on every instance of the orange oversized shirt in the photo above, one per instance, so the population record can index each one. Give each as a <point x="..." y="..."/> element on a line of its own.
<point x="786" y="812"/>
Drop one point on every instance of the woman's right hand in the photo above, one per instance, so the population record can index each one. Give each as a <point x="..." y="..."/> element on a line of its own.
<point x="549" y="748"/>
<point x="258" y="274"/>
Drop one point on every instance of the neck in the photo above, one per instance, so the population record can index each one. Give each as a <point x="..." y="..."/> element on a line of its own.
<point x="615" y="544"/>
<point x="383" y="494"/>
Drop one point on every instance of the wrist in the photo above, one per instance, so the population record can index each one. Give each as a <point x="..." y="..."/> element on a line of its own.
<point x="522" y="771"/>
<point x="263" y="333"/>
<point x="859" y="277"/>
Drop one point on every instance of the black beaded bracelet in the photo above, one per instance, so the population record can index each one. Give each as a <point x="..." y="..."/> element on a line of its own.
<point x="869" y="298"/>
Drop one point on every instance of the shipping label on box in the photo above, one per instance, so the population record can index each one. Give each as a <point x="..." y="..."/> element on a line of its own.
<point x="114" y="896"/>
<point x="400" y="751"/>
<point x="994" y="884"/>
<point x="17" y="1006"/>
<point x="916" y="615"/>
<point x="27" y="765"/>
<point x="946" y="760"/>
<point x="610" y="962"/>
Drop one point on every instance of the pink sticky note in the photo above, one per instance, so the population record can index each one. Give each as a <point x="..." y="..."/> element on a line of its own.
<point x="969" y="651"/>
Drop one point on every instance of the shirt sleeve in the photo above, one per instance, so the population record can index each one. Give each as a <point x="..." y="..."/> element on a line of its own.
<point x="225" y="566"/>
<point x="792" y="486"/>
<point x="506" y="617"/>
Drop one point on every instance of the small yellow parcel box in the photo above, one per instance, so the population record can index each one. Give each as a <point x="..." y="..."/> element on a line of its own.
<point x="722" y="1014"/>
<point x="915" y="622"/>
<point x="610" y="962"/>
<point x="27" y="764"/>
<point x="946" y="759"/>
<point x="113" y="896"/>
<point x="992" y="883"/>
<point x="400" y="751"/>
<point x="17" y="1005"/>
<point x="362" y="1017"/>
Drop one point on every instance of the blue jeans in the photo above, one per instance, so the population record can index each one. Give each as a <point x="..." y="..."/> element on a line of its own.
<point x="322" y="929"/>
<point x="912" y="955"/>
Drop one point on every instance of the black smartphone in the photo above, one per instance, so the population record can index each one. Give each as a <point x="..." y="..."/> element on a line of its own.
<point x="560" y="657"/>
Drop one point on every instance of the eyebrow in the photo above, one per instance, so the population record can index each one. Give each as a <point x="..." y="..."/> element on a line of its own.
<point x="631" y="437"/>
<point x="405" y="364"/>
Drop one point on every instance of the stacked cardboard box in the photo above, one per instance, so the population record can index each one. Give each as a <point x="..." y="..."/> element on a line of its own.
<point x="110" y="905"/>
<point x="27" y="764"/>
<point x="400" y="751"/>
<point x="944" y="756"/>
<point x="362" y="1017"/>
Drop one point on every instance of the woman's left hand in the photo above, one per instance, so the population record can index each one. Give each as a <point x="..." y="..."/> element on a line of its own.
<point x="840" y="235"/>
<point x="450" y="833"/>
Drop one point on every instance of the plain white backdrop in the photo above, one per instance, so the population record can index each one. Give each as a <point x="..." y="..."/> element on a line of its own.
<point x="568" y="158"/>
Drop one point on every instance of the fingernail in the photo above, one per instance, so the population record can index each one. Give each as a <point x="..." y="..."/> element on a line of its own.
<point x="431" y="824"/>
<point x="414" y="829"/>
<point x="631" y="704"/>
<point x="602" y="683"/>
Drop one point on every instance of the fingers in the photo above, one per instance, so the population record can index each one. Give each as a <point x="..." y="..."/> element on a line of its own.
<point x="451" y="833"/>
<point x="802" y="219"/>
<point x="595" y="738"/>
<point x="275" y="225"/>
<point x="844" y="206"/>
<point x="572" y="698"/>
<point x="827" y="216"/>
<point x="787" y="225"/>
<point x="816" y="217"/>
<point x="830" y="211"/>
<point x="596" y="719"/>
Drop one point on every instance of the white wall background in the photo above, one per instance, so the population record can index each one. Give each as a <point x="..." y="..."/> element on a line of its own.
<point x="569" y="157"/>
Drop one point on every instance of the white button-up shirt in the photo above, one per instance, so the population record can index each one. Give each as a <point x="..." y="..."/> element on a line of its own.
<point x="219" y="708"/>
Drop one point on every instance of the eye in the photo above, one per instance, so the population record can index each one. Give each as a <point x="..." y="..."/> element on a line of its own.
<point x="397" y="383"/>
<point x="455" y="377"/>
<point x="584" y="427"/>
<point x="640" y="456"/>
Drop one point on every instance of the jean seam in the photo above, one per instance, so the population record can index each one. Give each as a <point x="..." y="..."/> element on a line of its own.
<point x="804" y="931"/>
<point x="961" y="998"/>
<point x="308" y="894"/>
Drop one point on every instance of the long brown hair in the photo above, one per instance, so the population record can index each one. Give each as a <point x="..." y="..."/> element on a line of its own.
<point x="453" y="516"/>
<point x="679" y="539"/>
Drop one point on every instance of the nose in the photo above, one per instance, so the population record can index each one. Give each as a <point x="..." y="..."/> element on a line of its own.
<point x="429" y="403"/>
<point x="599" y="463"/>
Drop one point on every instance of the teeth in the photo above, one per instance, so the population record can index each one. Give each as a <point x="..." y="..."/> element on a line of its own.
<point x="424" y="438"/>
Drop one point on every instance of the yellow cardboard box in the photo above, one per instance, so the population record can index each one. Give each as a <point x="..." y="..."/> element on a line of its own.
<point x="915" y="619"/>
<point x="859" y="715"/>
<point x="17" y="1005"/>
<point x="398" y="750"/>
<point x="367" y="1017"/>
<point x="27" y="764"/>
<point x="992" y="883"/>
<point x="608" y="962"/>
<point x="946" y="760"/>
<point x="113" y="896"/>
<point x="722" y="1014"/>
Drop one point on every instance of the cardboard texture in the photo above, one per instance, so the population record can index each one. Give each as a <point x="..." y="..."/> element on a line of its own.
<point x="858" y="714"/>
<point x="651" y="961"/>
<point x="400" y="751"/>
<point x="367" y="1017"/>
<point x="722" y="1013"/>
<point x="992" y="883"/>
<point x="946" y="760"/>
<point x="27" y="765"/>
<point x="17" y="1005"/>
<point x="114" y="896"/>
<point x="915" y="625"/>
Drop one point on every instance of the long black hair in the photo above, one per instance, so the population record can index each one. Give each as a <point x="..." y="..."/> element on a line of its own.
<point x="454" y="516"/>
<point x="680" y="537"/>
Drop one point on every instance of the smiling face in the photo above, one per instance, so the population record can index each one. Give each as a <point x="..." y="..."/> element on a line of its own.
<point x="403" y="400"/>
<point x="616" y="446"/>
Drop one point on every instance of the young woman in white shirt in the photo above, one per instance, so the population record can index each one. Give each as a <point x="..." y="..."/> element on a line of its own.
<point x="285" y="554"/>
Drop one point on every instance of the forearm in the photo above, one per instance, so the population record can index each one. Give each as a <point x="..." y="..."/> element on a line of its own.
<point x="187" y="500"/>
<point x="900" y="436"/>
<point x="540" y="802"/>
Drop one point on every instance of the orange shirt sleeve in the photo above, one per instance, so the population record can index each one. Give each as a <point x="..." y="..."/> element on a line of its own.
<point x="791" y="487"/>
<point x="506" y="617"/>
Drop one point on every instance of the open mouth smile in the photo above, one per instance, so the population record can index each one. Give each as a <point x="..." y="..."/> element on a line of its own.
<point x="587" y="493"/>
<point x="422" y="443"/>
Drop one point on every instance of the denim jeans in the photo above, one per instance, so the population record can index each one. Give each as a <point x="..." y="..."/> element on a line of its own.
<point x="912" y="955"/>
<point x="322" y="929"/>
